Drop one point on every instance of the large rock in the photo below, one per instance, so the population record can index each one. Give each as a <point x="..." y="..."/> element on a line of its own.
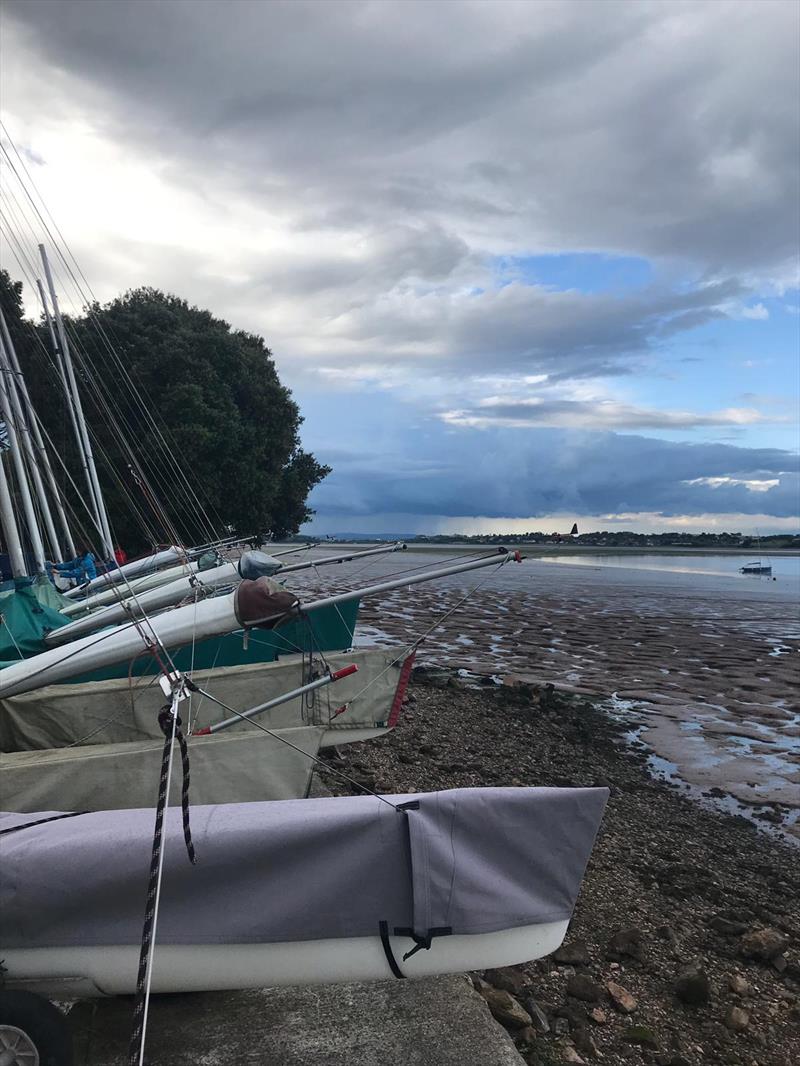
<point x="693" y="987"/>
<point x="584" y="988"/>
<point x="621" y="998"/>
<point x="507" y="1010"/>
<point x="762" y="944"/>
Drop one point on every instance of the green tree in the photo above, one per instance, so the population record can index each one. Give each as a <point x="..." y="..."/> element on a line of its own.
<point x="212" y="402"/>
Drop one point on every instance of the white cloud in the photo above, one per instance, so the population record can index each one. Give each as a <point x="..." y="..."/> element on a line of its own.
<point x="752" y="484"/>
<point x="595" y="414"/>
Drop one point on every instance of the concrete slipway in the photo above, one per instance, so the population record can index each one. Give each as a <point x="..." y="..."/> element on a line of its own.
<point x="432" y="1022"/>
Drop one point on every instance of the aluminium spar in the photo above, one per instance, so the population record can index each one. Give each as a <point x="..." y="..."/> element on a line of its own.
<point x="79" y="422"/>
<point x="194" y="622"/>
<point x="136" y="602"/>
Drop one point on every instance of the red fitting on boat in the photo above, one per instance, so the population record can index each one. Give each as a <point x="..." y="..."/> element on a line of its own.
<point x="344" y="672"/>
<point x="517" y="557"/>
<point x="205" y="732"/>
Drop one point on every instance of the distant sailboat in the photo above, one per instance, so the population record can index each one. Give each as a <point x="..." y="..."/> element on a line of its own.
<point x="758" y="569"/>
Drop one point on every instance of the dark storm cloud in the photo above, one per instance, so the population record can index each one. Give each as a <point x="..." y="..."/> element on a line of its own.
<point x="518" y="474"/>
<point x="661" y="129"/>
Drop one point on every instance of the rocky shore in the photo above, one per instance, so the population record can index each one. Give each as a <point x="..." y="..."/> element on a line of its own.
<point x="685" y="944"/>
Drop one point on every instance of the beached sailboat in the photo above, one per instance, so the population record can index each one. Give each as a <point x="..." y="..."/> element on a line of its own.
<point x="428" y="883"/>
<point x="257" y="612"/>
<point x="98" y="746"/>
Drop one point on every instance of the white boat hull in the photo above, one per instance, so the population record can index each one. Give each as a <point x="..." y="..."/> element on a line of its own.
<point x="116" y="593"/>
<point x="135" y="568"/>
<point x="111" y="969"/>
<point x="145" y="602"/>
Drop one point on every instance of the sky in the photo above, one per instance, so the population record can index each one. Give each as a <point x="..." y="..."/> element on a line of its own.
<point x="521" y="263"/>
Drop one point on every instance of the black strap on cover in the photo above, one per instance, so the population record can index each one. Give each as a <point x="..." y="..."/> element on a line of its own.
<point x="422" y="942"/>
<point x="387" y="950"/>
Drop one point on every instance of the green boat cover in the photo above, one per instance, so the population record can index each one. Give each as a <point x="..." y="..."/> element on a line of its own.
<point x="324" y="629"/>
<point x="27" y="614"/>
<point x="25" y="618"/>
<point x="47" y="594"/>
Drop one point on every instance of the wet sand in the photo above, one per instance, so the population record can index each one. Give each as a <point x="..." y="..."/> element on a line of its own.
<point x="703" y="667"/>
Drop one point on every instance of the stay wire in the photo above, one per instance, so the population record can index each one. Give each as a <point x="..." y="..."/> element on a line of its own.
<point x="90" y="308"/>
<point x="289" y="744"/>
<point x="32" y="271"/>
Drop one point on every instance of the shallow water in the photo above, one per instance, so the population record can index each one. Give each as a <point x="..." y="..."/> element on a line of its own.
<point x="784" y="567"/>
<point x="709" y="658"/>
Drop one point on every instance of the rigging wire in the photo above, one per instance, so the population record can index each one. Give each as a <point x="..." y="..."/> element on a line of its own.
<point x="90" y="305"/>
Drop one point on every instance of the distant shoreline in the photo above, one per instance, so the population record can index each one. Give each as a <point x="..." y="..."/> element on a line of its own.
<point x="534" y="548"/>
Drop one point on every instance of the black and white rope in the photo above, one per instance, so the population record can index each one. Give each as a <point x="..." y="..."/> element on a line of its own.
<point x="170" y="724"/>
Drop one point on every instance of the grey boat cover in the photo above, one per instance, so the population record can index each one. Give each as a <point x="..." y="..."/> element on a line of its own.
<point x="464" y="861"/>
<point x="121" y="710"/>
<point x="228" y="768"/>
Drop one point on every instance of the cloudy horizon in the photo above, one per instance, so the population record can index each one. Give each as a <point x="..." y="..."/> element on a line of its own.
<point x="519" y="263"/>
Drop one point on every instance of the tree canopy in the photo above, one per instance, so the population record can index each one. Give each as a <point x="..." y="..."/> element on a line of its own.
<point x="212" y="401"/>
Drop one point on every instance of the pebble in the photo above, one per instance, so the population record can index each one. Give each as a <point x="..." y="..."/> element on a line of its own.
<point x="642" y="1035"/>
<point x="693" y="987"/>
<point x="584" y="1043"/>
<point x="598" y="1015"/>
<point x="621" y="998"/>
<point x="509" y="978"/>
<point x="738" y="985"/>
<point x="539" y="1018"/>
<point x="574" y="954"/>
<point x="737" y="1019"/>
<point x="626" y="942"/>
<point x="581" y="987"/>
<point x="569" y="1054"/>
<point x="507" y="1010"/>
<point x="762" y="944"/>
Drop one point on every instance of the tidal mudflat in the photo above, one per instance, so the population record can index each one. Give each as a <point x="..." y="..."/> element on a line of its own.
<point x="700" y="662"/>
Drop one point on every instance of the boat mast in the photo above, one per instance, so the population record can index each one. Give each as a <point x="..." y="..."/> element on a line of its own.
<point x="84" y="444"/>
<point x="22" y="477"/>
<point x="37" y="432"/>
<point x="9" y="524"/>
<point x="18" y="394"/>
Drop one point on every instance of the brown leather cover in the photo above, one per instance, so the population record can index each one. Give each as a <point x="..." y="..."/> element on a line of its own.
<point x="264" y="604"/>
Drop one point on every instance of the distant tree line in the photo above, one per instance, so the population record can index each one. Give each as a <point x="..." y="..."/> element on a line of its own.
<point x="213" y="400"/>
<point x="617" y="539"/>
<point x="628" y="539"/>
